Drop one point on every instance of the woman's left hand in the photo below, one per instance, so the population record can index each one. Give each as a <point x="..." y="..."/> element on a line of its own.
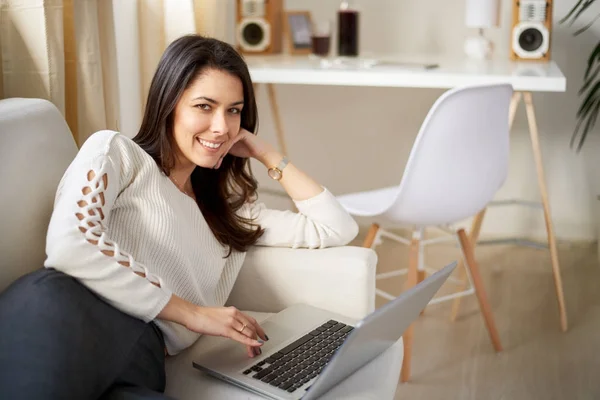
<point x="247" y="145"/>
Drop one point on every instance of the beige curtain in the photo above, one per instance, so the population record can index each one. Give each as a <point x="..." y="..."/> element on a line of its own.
<point x="94" y="59"/>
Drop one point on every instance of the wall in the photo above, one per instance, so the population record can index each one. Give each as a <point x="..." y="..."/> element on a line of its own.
<point x="353" y="139"/>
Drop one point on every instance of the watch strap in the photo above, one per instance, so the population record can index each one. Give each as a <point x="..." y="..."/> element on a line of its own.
<point x="283" y="163"/>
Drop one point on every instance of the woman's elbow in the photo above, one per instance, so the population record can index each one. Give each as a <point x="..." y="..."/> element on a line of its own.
<point x="352" y="231"/>
<point x="347" y="233"/>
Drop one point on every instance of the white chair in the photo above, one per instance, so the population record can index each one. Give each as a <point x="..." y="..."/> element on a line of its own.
<point x="36" y="147"/>
<point x="458" y="162"/>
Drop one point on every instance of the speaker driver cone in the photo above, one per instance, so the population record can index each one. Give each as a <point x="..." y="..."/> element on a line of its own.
<point x="531" y="39"/>
<point x="253" y="34"/>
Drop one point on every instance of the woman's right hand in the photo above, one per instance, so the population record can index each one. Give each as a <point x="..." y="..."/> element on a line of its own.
<point x="228" y="322"/>
<point x="216" y="321"/>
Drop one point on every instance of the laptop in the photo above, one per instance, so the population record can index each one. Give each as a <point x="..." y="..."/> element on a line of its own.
<point x="311" y="350"/>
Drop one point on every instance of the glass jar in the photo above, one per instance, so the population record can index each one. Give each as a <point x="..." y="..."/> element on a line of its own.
<point x="348" y="30"/>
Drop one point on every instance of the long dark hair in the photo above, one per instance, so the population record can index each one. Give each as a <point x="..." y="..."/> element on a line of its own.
<point x="220" y="193"/>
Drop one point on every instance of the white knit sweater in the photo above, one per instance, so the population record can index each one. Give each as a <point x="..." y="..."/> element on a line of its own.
<point x="124" y="230"/>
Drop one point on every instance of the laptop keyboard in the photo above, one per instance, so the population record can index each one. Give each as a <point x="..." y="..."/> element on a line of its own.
<point x="301" y="361"/>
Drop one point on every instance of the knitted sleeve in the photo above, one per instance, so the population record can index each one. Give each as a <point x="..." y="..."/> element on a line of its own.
<point x="320" y="222"/>
<point x="78" y="242"/>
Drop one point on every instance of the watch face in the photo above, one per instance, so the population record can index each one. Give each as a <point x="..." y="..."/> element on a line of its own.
<point x="275" y="173"/>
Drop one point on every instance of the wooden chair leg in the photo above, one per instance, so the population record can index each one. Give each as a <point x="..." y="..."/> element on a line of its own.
<point x="421" y="275"/>
<point x="476" y="225"/>
<point x="368" y="243"/>
<point x="486" y="310"/>
<point x="473" y="237"/>
<point x="411" y="281"/>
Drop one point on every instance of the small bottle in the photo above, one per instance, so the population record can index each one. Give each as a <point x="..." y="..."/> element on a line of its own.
<point x="347" y="30"/>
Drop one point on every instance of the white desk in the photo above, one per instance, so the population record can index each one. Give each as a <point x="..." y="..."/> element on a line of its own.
<point x="525" y="77"/>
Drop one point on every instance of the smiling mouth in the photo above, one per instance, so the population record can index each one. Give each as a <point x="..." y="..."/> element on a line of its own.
<point x="209" y="145"/>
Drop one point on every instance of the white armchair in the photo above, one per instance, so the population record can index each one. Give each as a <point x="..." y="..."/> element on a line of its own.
<point x="340" y="279"/>
<point x="36" y="146"/>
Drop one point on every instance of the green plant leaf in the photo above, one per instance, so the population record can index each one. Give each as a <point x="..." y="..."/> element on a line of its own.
<point x="589" y="81"/>
<point x="562" y="21"/>
<point x="589" y="100"/>
<point x="582" y="9"/>
<point x="587" y="114"/>
<point x="582" y="117"/>
<point x="591" y="121"/>
<point x="575" y="132"/>
<point x="586" y="27"/>
<point x="585" y="108"/>
<point x="594" y="56"/>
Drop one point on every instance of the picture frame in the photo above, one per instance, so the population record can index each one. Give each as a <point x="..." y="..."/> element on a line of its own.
<point x="298" y="28"/>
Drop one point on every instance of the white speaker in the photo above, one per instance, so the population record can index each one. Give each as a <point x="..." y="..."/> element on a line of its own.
<point x="531" y="31"/>
<point x="259" y="26"/>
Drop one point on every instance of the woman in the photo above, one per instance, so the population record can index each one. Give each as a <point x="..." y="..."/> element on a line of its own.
<point x="148" y="235"/>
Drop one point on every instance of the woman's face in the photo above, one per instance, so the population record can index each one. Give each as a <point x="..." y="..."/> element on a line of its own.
<point x="207" y="117"/>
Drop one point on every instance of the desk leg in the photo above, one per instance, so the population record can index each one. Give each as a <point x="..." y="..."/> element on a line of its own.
<point x="281" y="143"/>
<point x="478" y="220"/>
<point x="535" y="142"/>
<point x="277" y="118"/>
<point x="537" y="154"/>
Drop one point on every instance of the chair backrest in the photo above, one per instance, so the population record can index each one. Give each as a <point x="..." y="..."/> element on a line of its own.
<point x="36" y="147"/>
<point x="459" y="159"/>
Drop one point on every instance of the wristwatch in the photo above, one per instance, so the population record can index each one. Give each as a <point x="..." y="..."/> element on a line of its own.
<point x="277" y="172"/>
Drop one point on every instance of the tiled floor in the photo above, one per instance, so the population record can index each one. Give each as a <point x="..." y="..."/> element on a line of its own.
<point x="455" y="360"/>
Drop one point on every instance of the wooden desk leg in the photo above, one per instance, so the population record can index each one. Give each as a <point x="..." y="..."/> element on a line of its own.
<point x="278" y="131"/>
<point x="535" y="143"/>
<point x="277" y="119"/>
<point x="478" y="220"/>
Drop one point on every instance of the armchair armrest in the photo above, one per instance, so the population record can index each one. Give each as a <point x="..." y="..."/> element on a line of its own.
<point x="339" y="279"/>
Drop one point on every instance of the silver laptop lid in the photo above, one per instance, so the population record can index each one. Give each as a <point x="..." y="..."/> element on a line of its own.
<point x="377" y="332"/>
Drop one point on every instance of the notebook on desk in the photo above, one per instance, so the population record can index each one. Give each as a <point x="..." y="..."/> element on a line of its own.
<point x="369" y="63"/>
<point x="311" y="350"/>
<point x="405" y="64"/>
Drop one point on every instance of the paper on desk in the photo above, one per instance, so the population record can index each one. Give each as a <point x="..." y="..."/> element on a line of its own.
<point x="362" y="63"/>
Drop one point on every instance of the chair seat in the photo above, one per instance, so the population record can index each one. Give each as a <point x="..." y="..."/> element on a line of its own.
<point x="373" y="381"/>
<point x="369" y="203"/>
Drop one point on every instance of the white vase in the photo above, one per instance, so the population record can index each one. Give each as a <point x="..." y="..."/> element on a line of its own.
<point x="478" y="48"/>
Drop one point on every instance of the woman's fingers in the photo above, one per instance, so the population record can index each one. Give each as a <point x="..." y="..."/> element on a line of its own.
<point x="252" y="325"/>
<point x="248" y="330"/>
<point x="243" y="339"/>
<point x="253" y="351"/>
<point x="242" y="325"/>
<point x="258" y="329"/>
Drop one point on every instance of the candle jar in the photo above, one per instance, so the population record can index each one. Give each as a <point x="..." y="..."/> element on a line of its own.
<point x="348" y="30"/>
<point x="321" y="38"/>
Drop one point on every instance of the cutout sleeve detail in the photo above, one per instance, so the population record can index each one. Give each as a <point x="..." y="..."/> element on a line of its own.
<point x="78" y="241"/>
